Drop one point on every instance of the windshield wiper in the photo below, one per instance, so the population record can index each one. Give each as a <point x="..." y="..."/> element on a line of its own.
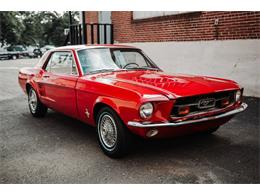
<point x="143" y="68"/>
<point x="102" y="70"/>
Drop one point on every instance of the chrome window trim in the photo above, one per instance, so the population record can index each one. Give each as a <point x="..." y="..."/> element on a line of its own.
<point x="47" y="63"/>
<point x="81" y="70"/>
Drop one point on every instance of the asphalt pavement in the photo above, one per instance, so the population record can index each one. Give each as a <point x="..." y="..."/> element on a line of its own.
<point x="59" y="149"/>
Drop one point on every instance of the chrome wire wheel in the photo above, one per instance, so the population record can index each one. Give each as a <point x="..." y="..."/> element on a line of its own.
<point x="107" y="131"/>
<point x="32" y="100"/>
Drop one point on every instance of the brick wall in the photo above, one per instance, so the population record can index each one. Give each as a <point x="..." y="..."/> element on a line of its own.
<point x="187" y="27"/>
<point x="193" y="26"/>
<point x="91" y="17"/>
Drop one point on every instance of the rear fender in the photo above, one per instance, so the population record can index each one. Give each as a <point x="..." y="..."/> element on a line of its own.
<point x="33" y="85"/>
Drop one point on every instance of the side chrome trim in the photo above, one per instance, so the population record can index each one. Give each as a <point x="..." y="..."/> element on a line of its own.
<point x="242" y="107"/>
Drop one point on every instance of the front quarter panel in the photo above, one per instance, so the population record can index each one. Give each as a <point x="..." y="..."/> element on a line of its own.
<point x="90" y="93"/>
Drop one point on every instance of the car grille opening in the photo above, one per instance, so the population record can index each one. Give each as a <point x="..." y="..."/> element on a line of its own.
<point x="201" y="103"/>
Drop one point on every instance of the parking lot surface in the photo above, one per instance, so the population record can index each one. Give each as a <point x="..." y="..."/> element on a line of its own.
<point x="58" y="149"/>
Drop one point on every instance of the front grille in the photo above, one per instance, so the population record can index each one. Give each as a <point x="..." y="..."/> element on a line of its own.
<point x="195" y="102"/>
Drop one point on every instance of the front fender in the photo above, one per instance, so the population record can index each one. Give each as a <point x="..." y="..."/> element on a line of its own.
<point x="129" y="110"/>
<point x="125" y="109"/>
<point x="111" y="102"/>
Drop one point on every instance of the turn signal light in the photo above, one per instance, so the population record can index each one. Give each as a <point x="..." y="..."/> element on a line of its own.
<point x="224" y="102"/>
<point x="184" y="110"/>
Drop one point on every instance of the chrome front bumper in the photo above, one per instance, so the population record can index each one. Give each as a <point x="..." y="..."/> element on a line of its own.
<point x="242" y="107"/>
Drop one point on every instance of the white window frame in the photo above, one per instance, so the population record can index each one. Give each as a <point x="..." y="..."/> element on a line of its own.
<point x="139" y="15"/>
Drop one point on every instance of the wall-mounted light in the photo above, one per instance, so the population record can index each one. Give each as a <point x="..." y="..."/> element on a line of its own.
<point x="216" y="21"/>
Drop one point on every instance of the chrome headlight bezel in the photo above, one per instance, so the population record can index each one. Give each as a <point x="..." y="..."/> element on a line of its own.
<point x="238" y="95"/>
<point x="146" y="110"/>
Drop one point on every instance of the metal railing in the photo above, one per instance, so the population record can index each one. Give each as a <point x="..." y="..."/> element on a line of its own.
<point x="90" y="33"/>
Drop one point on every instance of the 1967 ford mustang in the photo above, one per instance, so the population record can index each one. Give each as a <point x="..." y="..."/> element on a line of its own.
<point x="123" y="93"/>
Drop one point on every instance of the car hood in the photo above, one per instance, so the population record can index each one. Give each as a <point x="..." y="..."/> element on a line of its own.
<point x="172" y="86"/>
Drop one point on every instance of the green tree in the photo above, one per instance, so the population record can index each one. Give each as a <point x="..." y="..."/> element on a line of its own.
<point x="34" y="28"/>
<point x="11" y="28"/>
<point x="54" y="30"/>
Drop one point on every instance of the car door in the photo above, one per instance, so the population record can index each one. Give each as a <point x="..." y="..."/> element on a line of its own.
<point x="58" y="81"/>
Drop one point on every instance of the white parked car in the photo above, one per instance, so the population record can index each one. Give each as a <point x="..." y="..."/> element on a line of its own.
<point x="46" y="48"/>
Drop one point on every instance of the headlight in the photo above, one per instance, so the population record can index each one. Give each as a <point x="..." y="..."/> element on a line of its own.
<point x="146" y="110"/>
<point x="238" y="95"/>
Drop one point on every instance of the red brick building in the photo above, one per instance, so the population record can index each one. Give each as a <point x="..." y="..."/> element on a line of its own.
<point x="187" y="26"/>
<point x="222" y="44"/>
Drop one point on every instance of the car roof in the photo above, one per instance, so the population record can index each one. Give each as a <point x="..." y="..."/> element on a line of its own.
<point x="79" y="47"/>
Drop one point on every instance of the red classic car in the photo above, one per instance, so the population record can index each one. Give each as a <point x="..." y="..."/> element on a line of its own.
<point x="123" y="93"/>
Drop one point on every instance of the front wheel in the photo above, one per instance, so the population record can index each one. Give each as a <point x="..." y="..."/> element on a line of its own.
<point x="113" y="137"/>
<point x="37" y="109"/>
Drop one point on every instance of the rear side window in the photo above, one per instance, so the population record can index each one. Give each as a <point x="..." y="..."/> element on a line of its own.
<point x="62" y="63"/>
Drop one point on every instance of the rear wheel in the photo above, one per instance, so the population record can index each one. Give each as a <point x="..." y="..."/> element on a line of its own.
<point x="37" y="109"/>
<point x="113" y="137"/>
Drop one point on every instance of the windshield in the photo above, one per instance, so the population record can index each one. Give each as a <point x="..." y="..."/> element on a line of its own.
<point x="108" y="59"/>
